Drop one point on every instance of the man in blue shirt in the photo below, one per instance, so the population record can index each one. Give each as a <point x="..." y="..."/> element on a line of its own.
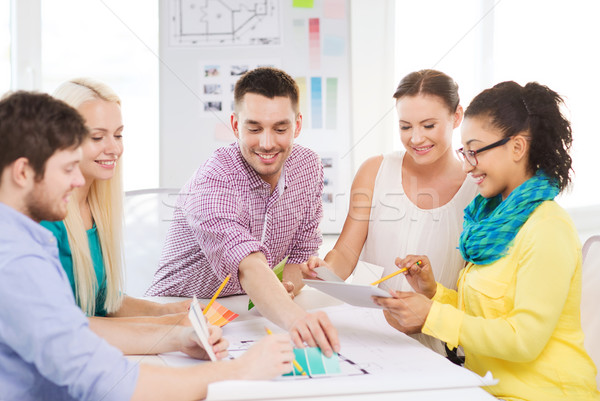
<point x="47" y="350"/>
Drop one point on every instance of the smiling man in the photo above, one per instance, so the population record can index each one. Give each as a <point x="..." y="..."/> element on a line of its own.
<point x="248" y="207"/>
<point x="47" y="349"/>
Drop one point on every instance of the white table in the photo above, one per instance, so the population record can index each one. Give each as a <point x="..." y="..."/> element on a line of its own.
<point x="311" y="299"/>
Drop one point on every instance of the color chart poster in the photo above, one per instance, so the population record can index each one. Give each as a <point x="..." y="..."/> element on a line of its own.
<point x="320" y="34"/>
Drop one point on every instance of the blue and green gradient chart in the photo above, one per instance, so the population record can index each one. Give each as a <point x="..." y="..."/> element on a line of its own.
<point x="315" y="363"/>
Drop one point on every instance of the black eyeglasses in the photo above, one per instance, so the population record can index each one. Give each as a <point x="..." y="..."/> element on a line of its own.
<point x="471" y="155"/>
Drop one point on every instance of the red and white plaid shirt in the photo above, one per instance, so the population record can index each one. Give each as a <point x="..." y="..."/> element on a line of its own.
<point x="226" y="212"/>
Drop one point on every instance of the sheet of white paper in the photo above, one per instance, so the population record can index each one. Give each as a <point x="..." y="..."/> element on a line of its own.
<point x="353" y="294"/>
<point x="325" y="274"/>
<point x="366" y="273"/>
<point x="387" y="360"/>
<point x="201" y="327"/>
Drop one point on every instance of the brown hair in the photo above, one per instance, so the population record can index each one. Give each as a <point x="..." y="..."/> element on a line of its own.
<point x="430" y="82"/>
<point x="268" y="82"/>
<point x="34" y="126"/>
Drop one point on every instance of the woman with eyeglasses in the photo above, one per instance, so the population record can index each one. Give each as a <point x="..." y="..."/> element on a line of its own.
<point x="410" y="201"/>
<point x="517" y="309"/>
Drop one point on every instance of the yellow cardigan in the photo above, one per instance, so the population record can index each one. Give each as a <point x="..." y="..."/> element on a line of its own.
<point x="519" y="317"/>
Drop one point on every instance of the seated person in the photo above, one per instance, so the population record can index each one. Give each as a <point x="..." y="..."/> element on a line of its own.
<point x="90" y="238"/>
<point x="47" y="350"/>
<point x="517" y="309"/>
<point x="249" y="206"/>
<point x="410" y="201"/>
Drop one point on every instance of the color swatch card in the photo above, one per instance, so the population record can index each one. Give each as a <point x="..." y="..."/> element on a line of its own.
<point x="218" y="315"/>
<point x="315" y="363"/>
<point x="201" y="327"/>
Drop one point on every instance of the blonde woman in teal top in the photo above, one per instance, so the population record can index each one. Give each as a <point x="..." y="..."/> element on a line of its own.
<point x="90" y="237"/>
<point x="66" y="259"/>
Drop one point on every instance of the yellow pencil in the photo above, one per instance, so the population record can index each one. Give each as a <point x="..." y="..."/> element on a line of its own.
<point x="394" y="274"/>
<point x="296" y="364"/>
<point x="216" y="294"/>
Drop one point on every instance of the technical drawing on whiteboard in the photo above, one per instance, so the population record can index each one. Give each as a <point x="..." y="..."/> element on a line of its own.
<point x="206" y="23"/>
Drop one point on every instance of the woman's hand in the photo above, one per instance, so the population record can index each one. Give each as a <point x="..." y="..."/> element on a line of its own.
<point x="419" y="274"/>
<point x="272" y="356"/>
<point x="392" y="321"/>
<point x="191" y="345"/>
<point x="408" y="310"/>
<point x="308" y="268"/>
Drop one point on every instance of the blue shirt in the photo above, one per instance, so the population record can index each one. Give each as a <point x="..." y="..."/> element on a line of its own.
<point x="65" y="255"/>
<point x="47" y="350"/>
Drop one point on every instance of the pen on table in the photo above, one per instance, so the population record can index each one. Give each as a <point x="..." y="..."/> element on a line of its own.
<point x="419" y="263"/>
<point x="216" y="294"/>
<point x="296" y="364"/>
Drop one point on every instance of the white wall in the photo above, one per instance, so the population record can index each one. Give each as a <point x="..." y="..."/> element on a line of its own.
<point x="372" y="70"/>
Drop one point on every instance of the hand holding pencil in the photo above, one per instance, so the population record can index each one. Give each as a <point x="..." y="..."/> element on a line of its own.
<point x="296" y="364"/>
<point x="270" y="357"/>
<point x="381" y="280"/>
<point x="418" y="272"/>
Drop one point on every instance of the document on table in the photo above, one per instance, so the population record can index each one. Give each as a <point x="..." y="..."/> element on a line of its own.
<point x="382" y="360"/>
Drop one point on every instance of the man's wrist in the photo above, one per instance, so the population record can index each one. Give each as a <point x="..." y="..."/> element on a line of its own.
<point x="294" y="317"/>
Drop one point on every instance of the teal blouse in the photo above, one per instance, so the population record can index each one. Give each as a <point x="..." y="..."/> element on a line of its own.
<point x="66" y="259"/>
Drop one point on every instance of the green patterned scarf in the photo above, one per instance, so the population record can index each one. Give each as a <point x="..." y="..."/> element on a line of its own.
<point x="490" y="224"/>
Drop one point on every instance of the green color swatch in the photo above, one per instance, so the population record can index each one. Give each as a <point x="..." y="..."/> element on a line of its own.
<point x="315" y="363"/>
<point x="278" y="270"/>
<point x="303" y="3"/>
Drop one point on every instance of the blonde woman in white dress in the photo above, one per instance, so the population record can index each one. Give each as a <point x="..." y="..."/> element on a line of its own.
<point x="411" y="201"/>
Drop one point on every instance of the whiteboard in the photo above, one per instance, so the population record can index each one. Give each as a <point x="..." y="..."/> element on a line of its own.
<point x="206" y="44"/>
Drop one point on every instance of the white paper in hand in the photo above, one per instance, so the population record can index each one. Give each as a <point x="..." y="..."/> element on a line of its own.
<point x="327" y="275"/>
<point x="201" y="327"/>
<point x="353" y="294"/>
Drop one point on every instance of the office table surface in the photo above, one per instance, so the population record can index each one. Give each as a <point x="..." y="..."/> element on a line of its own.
<point x="311" y="299"/>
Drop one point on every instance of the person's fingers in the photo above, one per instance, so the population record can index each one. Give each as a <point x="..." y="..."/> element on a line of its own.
<point x="215" y="333"/>
<point x="305" y="334"/>
<point x="296" y="338"/>
<point x="288" y="285"/>
<point x="412" y="261"/>
<point x="404" y="294"/>
<point x="391" y="303"/>
<point x="398" y="261"/>
<point x="311" y="264"/>
<point x="331" y="333"/>
<point x="221" y="345"/>
<point x="221" y="354"/>
<point x="320" y="338"/>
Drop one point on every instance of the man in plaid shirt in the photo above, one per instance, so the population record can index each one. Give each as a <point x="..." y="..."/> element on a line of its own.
<point x="250" y="205"/>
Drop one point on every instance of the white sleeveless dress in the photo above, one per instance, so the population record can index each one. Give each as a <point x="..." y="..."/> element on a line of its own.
<point x="397" y="228"/>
